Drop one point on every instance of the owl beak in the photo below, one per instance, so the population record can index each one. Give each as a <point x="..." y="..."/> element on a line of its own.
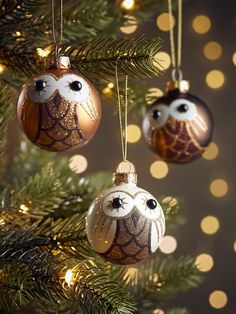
<point x="57" y="100"/>
<point x="135" y="218"/>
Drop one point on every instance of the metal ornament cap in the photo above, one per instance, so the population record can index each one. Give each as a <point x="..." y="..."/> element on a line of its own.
<point x="182" y="85"/>
<point x="125" y="173"/>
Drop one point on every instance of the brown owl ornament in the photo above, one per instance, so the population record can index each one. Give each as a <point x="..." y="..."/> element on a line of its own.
<point x="179" y="126"/>
<point x="59" y="110"/>
<point x="125" y="223"/>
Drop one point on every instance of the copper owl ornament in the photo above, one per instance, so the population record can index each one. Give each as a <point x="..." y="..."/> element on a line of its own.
<point x="125" y="223"/>
<point x="59" y="109"/>
<point x="179" y="126"/>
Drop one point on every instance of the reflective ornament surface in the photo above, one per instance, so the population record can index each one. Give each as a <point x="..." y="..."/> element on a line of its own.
<point x="125" y="223"/>
<point x="59" y="109"/>
<point x="178" y="126"/>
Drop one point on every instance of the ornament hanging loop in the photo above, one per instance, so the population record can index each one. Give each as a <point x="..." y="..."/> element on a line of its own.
<point x="177" y="74"/>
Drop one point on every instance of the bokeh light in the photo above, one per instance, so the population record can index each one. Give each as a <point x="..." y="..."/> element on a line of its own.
<point x="163" y="59"/>
<point x="234" y="58"/>
<point x="78" y="163"/>
<point x="127" y="4"/>
<point x="168" y="245"/>
<point x="134" y="133"/>
<point x="159" y="169"/>
<point x="204" y="262"/>
<point x="219" y="187"/>
<point x="212" y="50"/>
<point x="153" y="93"/>
<point x="201" y="24"/>
<point x="158" y="311"/>
<point x="218" y="299"/>
<point x="210" y="225"/>
<point x="163" y="22"/>
<point x="211" y="152"/>
<point x="234" y="246"/>
<point x="2" y="68"/>
<point x="131" y="26"/>
<point x="215" y="79"/>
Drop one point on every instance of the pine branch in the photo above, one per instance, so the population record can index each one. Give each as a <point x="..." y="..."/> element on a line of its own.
<point x="173" y="215"/>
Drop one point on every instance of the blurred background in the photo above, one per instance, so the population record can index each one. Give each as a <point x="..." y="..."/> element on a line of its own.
<point x="206" y="186"/>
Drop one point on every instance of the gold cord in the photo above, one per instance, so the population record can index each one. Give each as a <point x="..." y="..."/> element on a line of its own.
<point x="123" y="127"/>
<point x="61" y="21"/>
<point x="172" y="40"/>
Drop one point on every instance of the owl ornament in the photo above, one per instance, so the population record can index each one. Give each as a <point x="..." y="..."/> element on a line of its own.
<point x="125" y="223"/>
<point x="178" y="126"/>
<point x="59" y="110"/>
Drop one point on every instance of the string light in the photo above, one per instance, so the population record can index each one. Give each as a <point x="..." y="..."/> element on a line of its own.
<point x="23" y="209"/>
<point x="43" y="52"/>
<point x="215" y="79"/>
<point x="134" y="133"/>
<point x="218" y="299"/>
<point x="163" y="22"/>
<point x="201" y="24"/>
<point x="2" y="68"/>
<point x="163" y="59"/>
<point x="212" y="50"/>
<point x="211" y="152"/>
<point x="168" y="245"/>
<point x="159" y="169"/>
<point x="78" y="163"/>
<point x="219" y="187"/>
<point x="127" y="4"/>
<point x="210" y="225"/>
<point x="204" y="262"/>
<point x="131" y="26"/>
<point x="69" y="276"/>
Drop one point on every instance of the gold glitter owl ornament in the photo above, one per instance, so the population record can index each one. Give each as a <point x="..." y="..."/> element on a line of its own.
<point x="178" y="126"/>
<point x="59" y="109"/>
<point x="125" y="223"/>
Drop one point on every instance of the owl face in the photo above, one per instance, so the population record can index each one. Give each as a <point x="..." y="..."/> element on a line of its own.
<point x="125" y="224"/>
<point x="118" y="203"/>
<point x="69" y="86"/>
<point x="178" y="127"/>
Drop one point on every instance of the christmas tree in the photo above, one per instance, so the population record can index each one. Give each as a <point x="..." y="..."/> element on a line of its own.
<point x="47" y="264"/>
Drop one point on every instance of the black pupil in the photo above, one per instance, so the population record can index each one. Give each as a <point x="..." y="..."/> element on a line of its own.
<point x="75" y="86"/>
<point x="40" y="85"/>
<point x="156" y="114"/>
<point x="117" y="202"/>
<point x="183" y="108"/>
<point x="152" y="204"/>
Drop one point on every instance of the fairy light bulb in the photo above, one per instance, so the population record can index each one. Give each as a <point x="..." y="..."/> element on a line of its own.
<point x="127" y="4"/>
<point x="68" y="276"/>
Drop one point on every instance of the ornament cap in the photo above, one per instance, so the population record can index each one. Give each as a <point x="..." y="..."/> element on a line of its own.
<point x="125" y="177"/>
<point x="182" y="85"/>
<point x="125" y="173"/>
<point x="59" y="62"/>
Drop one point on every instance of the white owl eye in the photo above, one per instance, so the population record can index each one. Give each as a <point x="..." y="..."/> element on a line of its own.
<point x="117" y="204"/>
<point x="148" y="205"/>
<point x="42" y="88"/>
<point x="183" y="109"/>
<point x="157" y="116"/>
<point x="74" y="88"/>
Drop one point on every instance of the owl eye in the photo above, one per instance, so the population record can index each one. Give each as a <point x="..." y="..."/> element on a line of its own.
<point x="156" y="117"/>
<point x="147" y="205"/>
<point x="117" y="204"/>
<point x="40" y="85"/>
<point x="151" y="203"/>
<point x="74" y="88"/>
<point x="183" y="109"/>
<point x="42" y="88"/>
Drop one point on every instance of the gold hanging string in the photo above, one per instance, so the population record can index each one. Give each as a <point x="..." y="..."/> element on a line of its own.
<point x="61" y="21"/>
<point x="176" y="65"/>
<point x="123" y="124"/>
